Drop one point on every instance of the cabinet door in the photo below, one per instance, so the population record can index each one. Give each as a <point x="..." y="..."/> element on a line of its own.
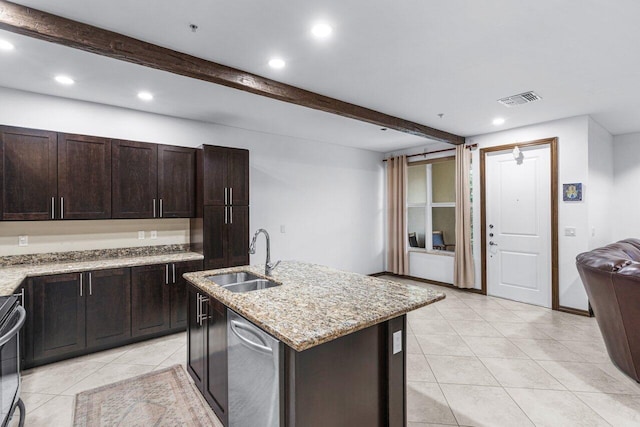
<point x="238" y="177"/>
<point x="58" y="315"/>
<point x="216" y="384"/>
<point x="150" y="299"/>
<point x="196" y="350"/>
<point x="84" y="177"/>
<point x="176" y="181"/>
<point x="108" y="294"/>
<point x="29" y="173"/>
<point x="215" y="186"/>
<point x="215" y="236"/>
<point x="179" y="292"/>
<point x="238" y="236"/>
<point x="134" y="179"/>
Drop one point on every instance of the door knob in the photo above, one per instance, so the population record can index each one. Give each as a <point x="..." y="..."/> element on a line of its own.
<point x="490" y="225"/>
<point x="493" y="244"/>
<point x="490" y="234"/>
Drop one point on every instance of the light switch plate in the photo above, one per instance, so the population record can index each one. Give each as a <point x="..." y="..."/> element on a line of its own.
<point x="140" y="235"/>
<point x="282" y="229"/>
<point x="23" y="240"/>
<point x="570" y="231"/>
<point x="397" y="342"/>
<point x="153" y="234"/>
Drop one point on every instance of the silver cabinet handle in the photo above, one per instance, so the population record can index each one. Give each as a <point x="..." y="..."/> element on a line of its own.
<point x="231" y="213"/>
<point x="154" y="208"/>
<point x="61" y="207"/>
<point x="53" y="208"/>
<point x="201" y="317"/>
<point x="160" y="208"/>
<point x="174" y="272"/>
<point x="225" y="214"/>
<point x="231" y="196"/>
<point x="80" y="284"/>
<point x="198" y="307"/>
<point x="90" y="287"/>
<point x="166" y="274"/>
<point x="225" y="196"/>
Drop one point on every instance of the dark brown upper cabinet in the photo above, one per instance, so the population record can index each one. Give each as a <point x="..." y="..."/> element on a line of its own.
<point x="54" y="176"/>
<point x="225" y="176"/>
<point x="29" y="173"/>
<point x="84" y="177"/>
<point x="176" y="181"/>
<point x="152" y="181"/>
<point x="134" y="185"/>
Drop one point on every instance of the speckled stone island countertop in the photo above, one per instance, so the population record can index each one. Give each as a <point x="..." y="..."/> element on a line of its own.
<point x="316" y="304"/>
<point x="15" y="269"/>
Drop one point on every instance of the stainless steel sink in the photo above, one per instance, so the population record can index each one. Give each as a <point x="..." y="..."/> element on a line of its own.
<point x="251" y="285"/>
<point x="232" y="278"/>
<point x="241" y="282"/>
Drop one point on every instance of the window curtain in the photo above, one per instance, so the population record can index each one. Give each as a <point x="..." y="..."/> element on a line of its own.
<point x="397" y="257"/>
<point x="463" y="273"/>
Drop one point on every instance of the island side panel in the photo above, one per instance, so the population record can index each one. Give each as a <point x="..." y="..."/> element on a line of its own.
<point x="351" y="381"/>
<point x="397" y="373"/>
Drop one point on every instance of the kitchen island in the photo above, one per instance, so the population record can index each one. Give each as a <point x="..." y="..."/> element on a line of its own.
<point x="341" y="343"/>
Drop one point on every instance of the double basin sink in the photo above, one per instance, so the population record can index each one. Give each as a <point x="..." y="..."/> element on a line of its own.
<point x="241" y="282"/>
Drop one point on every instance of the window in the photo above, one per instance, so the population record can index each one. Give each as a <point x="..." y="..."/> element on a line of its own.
<point x="431" y="204"/>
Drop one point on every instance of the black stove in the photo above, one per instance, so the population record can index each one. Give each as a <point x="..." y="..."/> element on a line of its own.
<point x="12" y="317"/>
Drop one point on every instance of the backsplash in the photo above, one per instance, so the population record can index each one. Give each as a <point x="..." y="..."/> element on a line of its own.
<point x="91" y="254"/>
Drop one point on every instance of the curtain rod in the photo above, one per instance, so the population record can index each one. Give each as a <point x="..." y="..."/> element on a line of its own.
<point x="437" y="151"/>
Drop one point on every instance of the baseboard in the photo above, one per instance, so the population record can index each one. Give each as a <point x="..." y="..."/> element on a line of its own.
<point x="574" y="311"/>
<point x="428" y="281"/>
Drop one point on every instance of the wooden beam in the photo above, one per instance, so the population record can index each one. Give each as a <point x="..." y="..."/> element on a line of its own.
<point x="52" y="28"/>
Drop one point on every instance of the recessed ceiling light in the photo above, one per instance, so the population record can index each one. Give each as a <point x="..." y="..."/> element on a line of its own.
<point x="498" y="121"/>
<point x="321" y="30"/>
<point x="145" y="96"/>
<point x="277" y="63"/>
<point x="5" y="45"/>
<point x="64" y="80"/>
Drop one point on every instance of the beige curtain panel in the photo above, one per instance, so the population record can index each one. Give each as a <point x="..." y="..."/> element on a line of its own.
<point x="463" y="273"/>
<point x="398" y="259"/>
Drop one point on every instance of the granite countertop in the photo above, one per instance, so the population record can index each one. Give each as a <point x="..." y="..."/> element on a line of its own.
<point x="316" y="304"/>
<point x="12" y="276"/>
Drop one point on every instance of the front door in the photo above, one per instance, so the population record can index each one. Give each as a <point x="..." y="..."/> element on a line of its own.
<point x="518" y="224"/>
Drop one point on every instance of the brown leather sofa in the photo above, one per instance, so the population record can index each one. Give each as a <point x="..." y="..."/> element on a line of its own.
<point x="611" y="276"/>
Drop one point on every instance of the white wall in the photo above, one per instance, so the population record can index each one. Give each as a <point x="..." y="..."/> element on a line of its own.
<point x="626" y="203"/>
<point x="328" y="197"/>
<point x="599" y="192"/>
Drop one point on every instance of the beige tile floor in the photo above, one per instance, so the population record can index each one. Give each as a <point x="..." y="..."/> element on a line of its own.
<point x="482" y="361"/>
<point x="472" y="360"/>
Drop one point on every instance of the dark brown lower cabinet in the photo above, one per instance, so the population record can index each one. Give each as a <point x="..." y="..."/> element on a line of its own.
<point x="179" y="292"/>
<point x="57" y="315"/>
<point x="207" y="350"/>
<point x="108" y="307"/>
<point x="75" y="312"/>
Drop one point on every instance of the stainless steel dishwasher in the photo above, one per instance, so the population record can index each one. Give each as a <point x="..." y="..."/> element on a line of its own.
<point x="254" y="374"/>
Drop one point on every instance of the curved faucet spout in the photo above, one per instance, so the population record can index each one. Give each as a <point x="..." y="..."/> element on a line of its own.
<point x="268" y="267"/>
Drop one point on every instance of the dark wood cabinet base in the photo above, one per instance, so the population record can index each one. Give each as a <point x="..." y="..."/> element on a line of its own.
<point x="355" y="380"/>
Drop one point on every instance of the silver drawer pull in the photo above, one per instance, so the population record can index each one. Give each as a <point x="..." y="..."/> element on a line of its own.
<point x="80" y="284"/>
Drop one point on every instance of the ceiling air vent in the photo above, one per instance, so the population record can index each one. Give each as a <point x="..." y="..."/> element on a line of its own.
<point x="522" y="98"/>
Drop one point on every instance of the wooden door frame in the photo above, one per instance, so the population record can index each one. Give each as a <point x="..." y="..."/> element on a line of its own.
<point x="553" y="145"/>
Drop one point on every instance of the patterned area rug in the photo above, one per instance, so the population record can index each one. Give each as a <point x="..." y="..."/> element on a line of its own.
<point x="159" y="398"/>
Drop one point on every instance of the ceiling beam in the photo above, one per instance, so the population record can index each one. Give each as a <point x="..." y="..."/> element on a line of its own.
<point x="52" y="28"/>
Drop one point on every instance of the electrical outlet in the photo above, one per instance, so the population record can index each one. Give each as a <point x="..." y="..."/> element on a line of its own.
<point x="154" y="234"/>
<point x="23" y="240"/>
<point x="282" y="229"/>
<point x="140" y="235"/>
<point x="397" y="342"/>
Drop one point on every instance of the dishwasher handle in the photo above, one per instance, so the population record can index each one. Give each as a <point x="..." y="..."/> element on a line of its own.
<point x="235" y="325"/>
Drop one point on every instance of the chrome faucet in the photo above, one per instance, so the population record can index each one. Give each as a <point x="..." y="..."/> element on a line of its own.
<point x="268" y="267"/>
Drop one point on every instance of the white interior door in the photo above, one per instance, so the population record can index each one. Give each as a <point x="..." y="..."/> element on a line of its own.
<point x="518" y="214"/>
